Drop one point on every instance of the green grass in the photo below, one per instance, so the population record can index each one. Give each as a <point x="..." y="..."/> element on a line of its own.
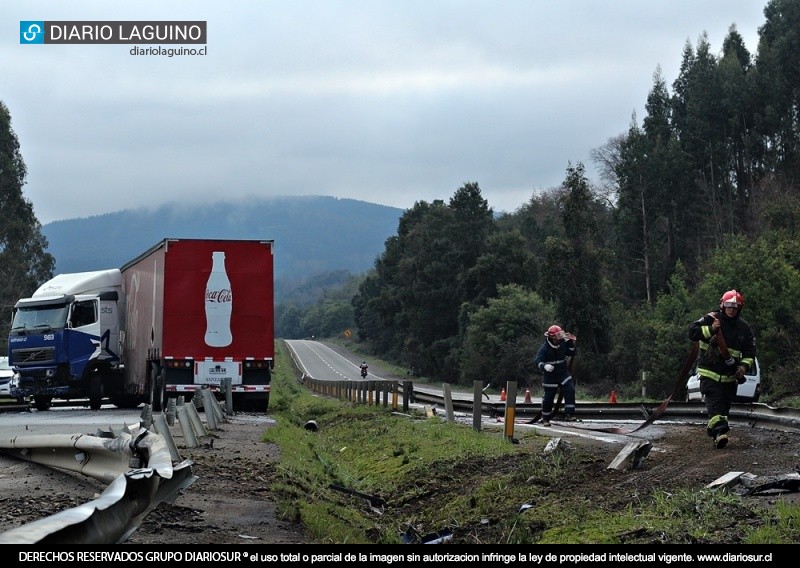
<point x="435" y="474"/>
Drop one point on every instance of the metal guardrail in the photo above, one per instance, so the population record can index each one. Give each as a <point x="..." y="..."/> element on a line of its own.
<point x="367" y="391"/>
<point x="136" y="462"/>
<point x="751" y="413"/>
<point x="387" y="393"/>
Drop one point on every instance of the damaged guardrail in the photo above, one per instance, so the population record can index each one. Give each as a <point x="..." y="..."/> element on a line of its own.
<point x="136" y="462"/>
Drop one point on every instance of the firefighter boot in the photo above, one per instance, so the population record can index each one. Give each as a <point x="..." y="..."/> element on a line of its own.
<point x="721" y="441"/>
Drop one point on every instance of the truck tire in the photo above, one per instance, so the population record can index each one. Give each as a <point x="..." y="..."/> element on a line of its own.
<point x="95" y="390"/>
<point x="249" y="402"/>
<point x="42" y="402"/>
<point x="125" y="401"/>
<point x="160" y="392"/>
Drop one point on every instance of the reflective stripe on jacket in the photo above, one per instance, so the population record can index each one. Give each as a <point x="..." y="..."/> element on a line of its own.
<point x="738" y="337"/>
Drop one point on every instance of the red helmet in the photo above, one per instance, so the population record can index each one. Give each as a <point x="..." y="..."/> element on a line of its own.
<point x="554" y="332"/>
<point x="731" y="299"/>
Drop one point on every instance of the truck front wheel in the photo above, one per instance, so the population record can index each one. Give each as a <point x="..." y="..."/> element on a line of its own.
<point x="95" y="391"/>
<point x="42" y="402"/>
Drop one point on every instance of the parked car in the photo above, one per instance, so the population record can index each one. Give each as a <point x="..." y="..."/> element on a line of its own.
<point x="749" y="391"/>
<point x="6" y="373"/>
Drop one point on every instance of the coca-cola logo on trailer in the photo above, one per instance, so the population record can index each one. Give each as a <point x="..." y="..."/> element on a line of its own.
<point x="223" y="295"/>
<point x="219" y="303"/>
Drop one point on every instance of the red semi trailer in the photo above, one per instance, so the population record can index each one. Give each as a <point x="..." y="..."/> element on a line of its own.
<point x="197" y="312"/>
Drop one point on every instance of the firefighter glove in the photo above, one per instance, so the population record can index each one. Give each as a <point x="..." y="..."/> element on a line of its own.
<point x="730" y="361"/>
<point x="740" y="378"/>
<point x="548" y="367"/>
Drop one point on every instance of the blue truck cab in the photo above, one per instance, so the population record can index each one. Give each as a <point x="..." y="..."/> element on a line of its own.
<point x="65" y="339"/>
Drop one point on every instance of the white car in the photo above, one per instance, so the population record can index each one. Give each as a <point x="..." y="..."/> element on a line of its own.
<point x="749" y="391"/>
<point x="6" y="372"/>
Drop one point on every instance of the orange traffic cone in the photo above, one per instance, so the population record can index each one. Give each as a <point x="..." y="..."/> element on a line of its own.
<point x="503" y="395"/>
<point x="613" y="398"/>
<point x="527" y="396"/>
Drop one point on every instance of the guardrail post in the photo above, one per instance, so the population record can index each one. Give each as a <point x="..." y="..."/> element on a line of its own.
<point x="511" y="408"/>
<point x="208" y="404"/>
<point x="171" y="411"/>
<point x="408" y="394"/>
<point x="226" y="383"/>
<point x="194" y="419"/>
<point x="162" y="428"/>
<point x="186" y="426"/>
<point x="394" y="395"/>
<point x="218" y="412"/>
<point x="477" y="404"/>
<point x="448" y="402"/>
<point x="146" y="416"/>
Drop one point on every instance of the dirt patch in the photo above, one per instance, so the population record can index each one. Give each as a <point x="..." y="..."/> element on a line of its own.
<point x="231" y="501"/>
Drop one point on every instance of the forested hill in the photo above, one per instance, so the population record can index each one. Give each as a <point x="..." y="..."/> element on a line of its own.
<point x="312" y="235"/>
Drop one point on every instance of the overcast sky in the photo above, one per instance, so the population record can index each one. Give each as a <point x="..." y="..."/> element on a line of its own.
<point x="389" y="102"/>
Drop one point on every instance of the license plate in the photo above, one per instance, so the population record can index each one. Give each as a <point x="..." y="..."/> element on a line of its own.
<point x="214" y="372"/>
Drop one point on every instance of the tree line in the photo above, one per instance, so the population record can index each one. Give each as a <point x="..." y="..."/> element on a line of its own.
<point x="699" y="197"/>
<point x="24" y="260"/>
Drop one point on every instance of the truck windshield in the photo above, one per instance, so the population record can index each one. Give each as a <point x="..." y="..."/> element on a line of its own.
<point x="40" y="317"/>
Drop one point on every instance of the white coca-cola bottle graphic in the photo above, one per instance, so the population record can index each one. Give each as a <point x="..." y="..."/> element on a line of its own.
<point x="219" y="303"/>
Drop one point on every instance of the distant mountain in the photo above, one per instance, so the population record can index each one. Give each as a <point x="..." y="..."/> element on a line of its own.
<point x="313" y="235"/>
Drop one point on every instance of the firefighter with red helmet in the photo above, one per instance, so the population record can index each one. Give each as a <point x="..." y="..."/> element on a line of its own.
<point x="551" y="360"/>
<point x="727" y="351"/>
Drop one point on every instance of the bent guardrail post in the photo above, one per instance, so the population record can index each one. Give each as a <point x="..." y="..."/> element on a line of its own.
<point x="194" y="419"/>
<point x="211" y="418"/>
<point x="186" y="426"/>
<point x="163" y="429"/>
<point x="218" y="411"/>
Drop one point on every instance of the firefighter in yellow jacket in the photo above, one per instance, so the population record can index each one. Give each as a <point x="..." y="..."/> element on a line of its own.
<point x="727" y="351"/>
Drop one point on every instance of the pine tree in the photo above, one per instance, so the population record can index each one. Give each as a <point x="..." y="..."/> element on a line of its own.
<point x="24" y="260"/>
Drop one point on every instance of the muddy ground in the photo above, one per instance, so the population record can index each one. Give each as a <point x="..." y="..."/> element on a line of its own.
<point x="231" y="502"/>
